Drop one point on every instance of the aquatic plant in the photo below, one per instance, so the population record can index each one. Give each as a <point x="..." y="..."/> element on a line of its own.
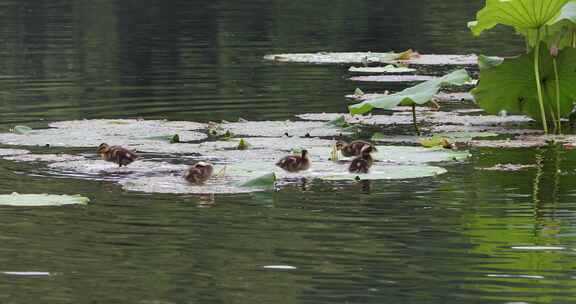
<point x="504" y="83"/>
<point x="414" y="96"/>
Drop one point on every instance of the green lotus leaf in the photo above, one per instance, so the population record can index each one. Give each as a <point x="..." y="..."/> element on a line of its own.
<point x="40" y="200"/>
<point x="524" y="15"/>
<point x="22" y="129"/>
<point x="509" y="86"/>
<point x="419" y="94"/>
<point x="265" y="181"/>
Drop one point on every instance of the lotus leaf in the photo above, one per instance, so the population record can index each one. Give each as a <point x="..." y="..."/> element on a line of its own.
<point x="389" y="69"/>
<point x="526" y="16"/>
<point x="509" y="86"/>
<point x="39" y="200"/>
<point x="369" y="57"/>
<point x="389" y="172"/>
<point x="419" y="94"/>
<point x="7" y="152"/>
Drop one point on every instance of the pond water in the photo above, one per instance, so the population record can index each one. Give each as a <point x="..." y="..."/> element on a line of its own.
<point x="468" y="236"/>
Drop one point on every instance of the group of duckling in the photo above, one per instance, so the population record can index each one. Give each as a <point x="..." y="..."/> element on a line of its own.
<point x="200" y="172"/>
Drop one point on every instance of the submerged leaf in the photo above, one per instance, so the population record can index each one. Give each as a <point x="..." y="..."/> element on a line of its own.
<point x="419" y="94"/>
<point x="39" y="200"/>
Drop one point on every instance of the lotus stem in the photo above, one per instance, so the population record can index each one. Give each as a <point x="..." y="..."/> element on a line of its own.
<point x="414" y="121"/>
<point x="538" y="83"/>
<point x="559" y="117"/>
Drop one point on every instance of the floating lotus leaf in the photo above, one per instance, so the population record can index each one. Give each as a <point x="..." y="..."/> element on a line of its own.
<point x="510" y="86"/>
<point x="440" y="97"/>
<point x="419" y="94"/>
<point x="465" y="136"/>
<point x="44" y="158"/>
<point x="389" y="172"/>
<point x="6" y="152"/>
<point x="389" y="69"/>
<point x="510" y="143"/>
<point x="280" y="128"/>
<point x="178" y="185"/>
<point x="91" y="133"/>
<point x="99" y="169"/>
<point x="21" y="129"/>
<point x="448" y="129"/>
<point x="403" y="154"/>
<point x="368" y="57"/>
<point x="40" y="200"/>
<point x="393" y="78"/>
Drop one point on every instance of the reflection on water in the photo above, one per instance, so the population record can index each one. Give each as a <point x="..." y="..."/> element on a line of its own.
<point x="469" y="236"/>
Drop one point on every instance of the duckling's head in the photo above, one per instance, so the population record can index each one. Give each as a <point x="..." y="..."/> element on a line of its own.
<point x="366" y="150"/>
<point x="340" y="144"/>
<point x="103" y="148"/>
<point x="205" y="167"/>
<point x="304" y="153"/>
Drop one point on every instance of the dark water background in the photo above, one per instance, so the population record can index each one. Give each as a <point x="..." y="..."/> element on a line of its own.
<point x="463" y="237"/>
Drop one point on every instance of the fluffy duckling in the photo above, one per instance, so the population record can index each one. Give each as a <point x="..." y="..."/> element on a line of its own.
<point x="362" y="163"/>
<point x="295" y="163"/>
<point x="116" y="154"/>
<point x="199" y="172"/>
<point x="353" y="148"/>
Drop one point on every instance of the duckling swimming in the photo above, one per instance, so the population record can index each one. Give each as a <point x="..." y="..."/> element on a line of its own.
<point x="295" y="163"/>
<point x="362" y="163"/>
<point x="116" y="154"/>
<point x="353" y="148"/>
<point x="199" y="172"/>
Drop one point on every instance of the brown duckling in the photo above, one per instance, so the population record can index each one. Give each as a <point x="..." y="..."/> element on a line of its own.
<point x="199" y="172"/>
<point x="362" y="163"/>
<point x="116" y="154"/>
<point x="295" y="163"/>
<point x="353" y="148"/>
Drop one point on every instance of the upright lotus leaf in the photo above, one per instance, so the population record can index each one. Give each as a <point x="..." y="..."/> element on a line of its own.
<point x="419" y="94"/>
<point x="526" y="16"/>
<point x="509" y="86"/>
<point x="562" y="30"/>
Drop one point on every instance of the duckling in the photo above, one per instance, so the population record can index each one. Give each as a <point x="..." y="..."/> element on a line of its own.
<point x="295" y="163"/>
<point x="116" y="154"/>
<point x="362" y="163"/>
<point x="353" y="148"/>
<point x="199" y="172"/>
